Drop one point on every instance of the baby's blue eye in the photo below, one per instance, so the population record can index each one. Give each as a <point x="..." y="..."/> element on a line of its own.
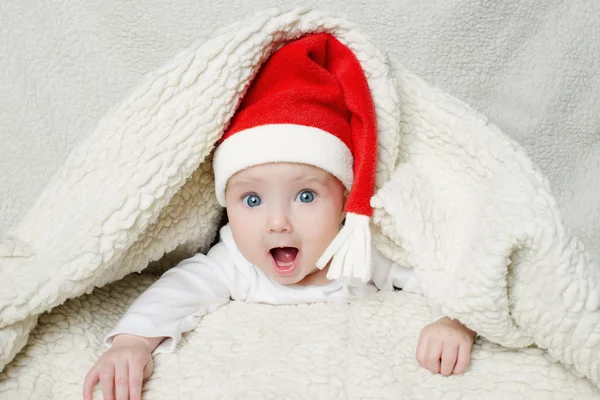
<point x="252" y="200"/>
<point x="306" y="196"/>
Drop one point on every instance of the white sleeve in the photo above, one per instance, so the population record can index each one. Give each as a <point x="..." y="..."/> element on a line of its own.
<point x="388" y="275"/>
<point x="177" y="301"/>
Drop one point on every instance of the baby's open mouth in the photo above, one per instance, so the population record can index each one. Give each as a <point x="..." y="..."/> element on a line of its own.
<point x="284" y="258"/>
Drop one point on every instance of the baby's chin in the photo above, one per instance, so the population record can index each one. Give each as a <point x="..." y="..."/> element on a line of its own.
<point x="287" y="280"/>
<point x="298" y="278"/>
<point x="314" y="277"/>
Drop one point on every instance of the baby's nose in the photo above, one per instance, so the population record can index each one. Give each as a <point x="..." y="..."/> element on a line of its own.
<point x="279" y="222"/>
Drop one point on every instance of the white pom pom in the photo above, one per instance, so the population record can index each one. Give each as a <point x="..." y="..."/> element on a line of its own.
<point x="350" y="251"/>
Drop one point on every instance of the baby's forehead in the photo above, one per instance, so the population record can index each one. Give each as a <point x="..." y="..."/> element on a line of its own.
<point x="281" y="172"/>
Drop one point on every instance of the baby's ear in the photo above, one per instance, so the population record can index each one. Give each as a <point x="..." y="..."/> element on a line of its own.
<point x="343" y="218"/>
<point x="345" y="198"/>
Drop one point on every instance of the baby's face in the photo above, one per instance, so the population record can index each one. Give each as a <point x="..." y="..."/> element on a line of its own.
<point x="283" y="216"/>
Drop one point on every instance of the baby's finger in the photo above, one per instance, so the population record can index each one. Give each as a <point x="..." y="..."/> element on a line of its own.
<point x="462" y="360"/>
<point x="432" y="359"/>
<point x="136" y="379"/>
<point x="448" y="359"/>
<point x="90" y="381"/>
<point x="148" y="369"/>
<point x="121" y="380"/>
<point x="107" y="381"/>
<point x="422" y="351"/>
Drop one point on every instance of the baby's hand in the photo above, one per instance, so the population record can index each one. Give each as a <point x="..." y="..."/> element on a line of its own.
<point x="122" y="369"/>
<point x="445" y="347"/>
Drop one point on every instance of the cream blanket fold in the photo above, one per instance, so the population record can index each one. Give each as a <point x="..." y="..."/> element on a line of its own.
<point x="457" y="199"/>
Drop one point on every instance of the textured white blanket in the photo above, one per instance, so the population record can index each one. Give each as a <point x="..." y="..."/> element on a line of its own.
<point x="364" y="350"/>
<point x="458" y="200"/>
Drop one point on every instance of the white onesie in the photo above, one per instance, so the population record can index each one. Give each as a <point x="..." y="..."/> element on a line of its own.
<point x="177" y="301"/>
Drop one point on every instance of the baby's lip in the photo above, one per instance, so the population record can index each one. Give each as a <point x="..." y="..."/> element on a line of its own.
<point x="283" y="246"/>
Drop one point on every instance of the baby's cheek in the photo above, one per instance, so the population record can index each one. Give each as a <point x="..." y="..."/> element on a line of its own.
<point x="322" y="228"/>
<point x="248" y="241"/>
<point x="255" y="253"/>
<point x="318" y="225"/>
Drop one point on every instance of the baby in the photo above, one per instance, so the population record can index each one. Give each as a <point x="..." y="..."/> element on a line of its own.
<point x="295" y="171"/>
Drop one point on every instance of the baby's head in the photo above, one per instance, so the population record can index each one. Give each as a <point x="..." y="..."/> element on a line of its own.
<point x="304" y="134"/>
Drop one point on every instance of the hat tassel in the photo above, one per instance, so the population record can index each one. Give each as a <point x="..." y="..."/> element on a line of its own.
<point x="350" y="250"/>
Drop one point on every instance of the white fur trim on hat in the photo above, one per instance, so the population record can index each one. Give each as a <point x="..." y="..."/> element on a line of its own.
<point x="281" y="143"/>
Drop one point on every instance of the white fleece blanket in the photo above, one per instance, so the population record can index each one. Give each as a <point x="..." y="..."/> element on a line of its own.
<point x="363" y="350"/>
<point x="458" y="200"/>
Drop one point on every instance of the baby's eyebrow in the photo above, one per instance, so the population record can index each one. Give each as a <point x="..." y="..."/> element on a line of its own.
<point x="243" y="181"/>
<point x="310" y="179"/>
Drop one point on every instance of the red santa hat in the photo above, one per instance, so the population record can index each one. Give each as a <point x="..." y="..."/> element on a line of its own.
<point x="310" y="103"/>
